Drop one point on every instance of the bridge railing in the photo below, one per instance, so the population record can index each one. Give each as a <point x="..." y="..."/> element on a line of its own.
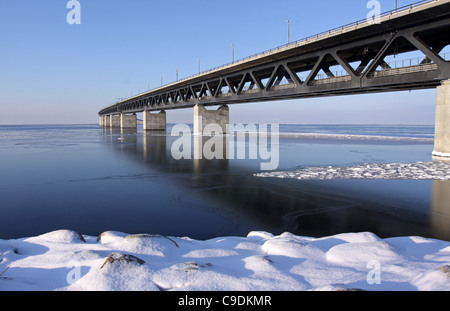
<point x="305" y="40"/>
<point x="316" y="37"/>
<point x="397" y="67"/>
<point x="415" y="64"/>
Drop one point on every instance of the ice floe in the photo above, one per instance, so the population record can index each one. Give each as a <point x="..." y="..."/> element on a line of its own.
<point x="417" y="170"/>
<point x="356" y="137"/>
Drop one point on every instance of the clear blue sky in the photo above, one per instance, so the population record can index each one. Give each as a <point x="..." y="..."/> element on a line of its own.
<point x="53" y="72"/>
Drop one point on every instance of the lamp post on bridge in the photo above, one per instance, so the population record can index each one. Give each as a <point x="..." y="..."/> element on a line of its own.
<point x="232" y="54"/>
<point x="289" y="30"/>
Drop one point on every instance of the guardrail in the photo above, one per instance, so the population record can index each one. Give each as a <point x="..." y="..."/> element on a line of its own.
<point x="296" y="43"/>
<point x="397" y="64"/>
<point x="316" y="37"/>
<point x="396" y="67"/>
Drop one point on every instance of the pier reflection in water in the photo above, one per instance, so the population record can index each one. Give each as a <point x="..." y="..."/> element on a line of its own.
<point x="210" y="198"/>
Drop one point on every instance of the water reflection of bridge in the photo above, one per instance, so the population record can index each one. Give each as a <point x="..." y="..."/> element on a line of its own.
<point x="286" y="205"/>
<point x="440" y="218"/>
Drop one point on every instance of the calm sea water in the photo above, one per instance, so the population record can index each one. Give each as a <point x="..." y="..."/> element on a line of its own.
<point x="89" y="179"/>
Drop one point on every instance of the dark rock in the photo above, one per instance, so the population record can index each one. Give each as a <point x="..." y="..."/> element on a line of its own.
<point x="119" y="257"/>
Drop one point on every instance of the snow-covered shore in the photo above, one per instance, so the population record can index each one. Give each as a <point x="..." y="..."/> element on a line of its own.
<point x="66" y="260"/>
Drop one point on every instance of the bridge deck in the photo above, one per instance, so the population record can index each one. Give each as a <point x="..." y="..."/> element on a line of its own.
<point x="422" y="27"/>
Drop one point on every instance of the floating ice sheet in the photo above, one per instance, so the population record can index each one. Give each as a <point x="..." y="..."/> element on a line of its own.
<point x="417" y="171"/>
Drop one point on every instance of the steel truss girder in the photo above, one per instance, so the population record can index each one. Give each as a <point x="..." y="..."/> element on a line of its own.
<point x="264" y="82"/>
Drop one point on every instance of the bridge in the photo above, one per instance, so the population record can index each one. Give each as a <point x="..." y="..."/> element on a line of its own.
<point x="366" y="56"/>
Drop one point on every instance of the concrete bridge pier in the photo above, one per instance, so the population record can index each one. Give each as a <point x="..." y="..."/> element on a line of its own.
<point x="154" y="121"/>
<point x="128" y="121"/>
<point x="204" y="117"/>
<point x="442" y="123"/>
<point x="114" y="120"/>
<point x="106" y="121"/>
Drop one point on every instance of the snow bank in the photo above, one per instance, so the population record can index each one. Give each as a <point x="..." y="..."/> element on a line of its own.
<point x="418" y="170"/>
<point x="66" y="260"/>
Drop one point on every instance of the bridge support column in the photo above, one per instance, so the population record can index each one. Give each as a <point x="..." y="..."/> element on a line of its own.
<point x="128" y="120"/>
<point x="442" y="123"/>
<point x="204" y="117"/>
<point x="114" y="120"/>
<point x="106" y="121"/>
<point x="154" y="121"/>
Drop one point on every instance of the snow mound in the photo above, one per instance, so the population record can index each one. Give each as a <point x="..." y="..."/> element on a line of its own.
<point x="65" y="260"/>
<point x="418" y="171"/>
<point x="354" y="254"/>
<point x="62" y="236"/>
